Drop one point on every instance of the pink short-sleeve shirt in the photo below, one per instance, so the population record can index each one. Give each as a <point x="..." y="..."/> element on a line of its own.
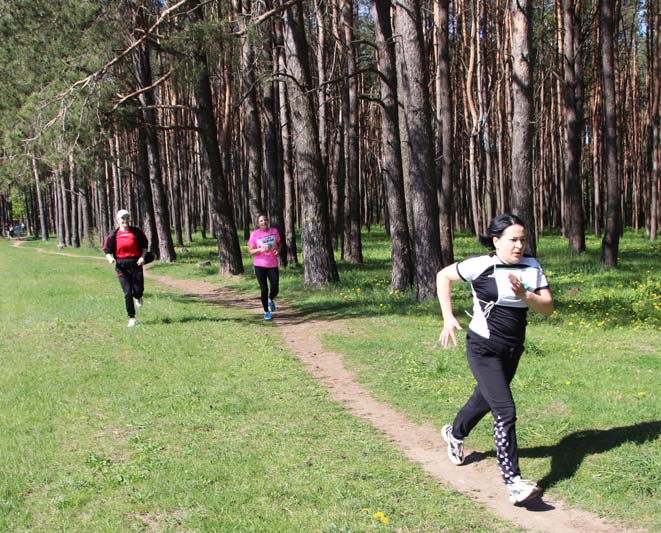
<point x="269" y="239"/>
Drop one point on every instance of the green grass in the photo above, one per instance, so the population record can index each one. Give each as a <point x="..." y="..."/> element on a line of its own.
<point x="197" y="420"/>
<point x="586" y="391"/>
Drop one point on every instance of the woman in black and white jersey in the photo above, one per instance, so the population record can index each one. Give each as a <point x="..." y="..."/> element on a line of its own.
<point x="505" y="284"/>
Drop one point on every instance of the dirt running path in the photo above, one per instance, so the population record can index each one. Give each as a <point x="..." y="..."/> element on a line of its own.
<point x="422" y="444"/>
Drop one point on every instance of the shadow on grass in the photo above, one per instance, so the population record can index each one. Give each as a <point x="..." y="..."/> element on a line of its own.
<point x="571" y="451"/>
<point x="193" y="319"/>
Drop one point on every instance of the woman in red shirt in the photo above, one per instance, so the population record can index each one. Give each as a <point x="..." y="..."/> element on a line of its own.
<point x="127" y="246"/>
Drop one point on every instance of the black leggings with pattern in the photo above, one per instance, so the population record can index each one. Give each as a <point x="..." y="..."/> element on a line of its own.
<point x="493" y="366"/>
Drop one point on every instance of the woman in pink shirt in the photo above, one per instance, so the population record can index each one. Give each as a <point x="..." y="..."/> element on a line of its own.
<point x="263" y="245"/>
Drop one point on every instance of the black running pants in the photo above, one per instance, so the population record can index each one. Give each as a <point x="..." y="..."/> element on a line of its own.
<point x="493" y="367"/>
<point x="273" y="276"/>
<point x="132" y="280"/>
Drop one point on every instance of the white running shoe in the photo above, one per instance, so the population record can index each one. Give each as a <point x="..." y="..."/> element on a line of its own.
<point x="455" y="446"/>
<point x="132" y="322"/>
<point x="138" y="302"/>
<point x="521" y="490"/>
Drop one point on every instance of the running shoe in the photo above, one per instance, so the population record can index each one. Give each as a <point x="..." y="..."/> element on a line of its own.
<point x="455" y="446"/>
<point x="138" y="302"/>
<point x="521" y="490"/>
<point x="271" y="305"/>
<point x="132" y="322"/>
<point x="267" y="315"/>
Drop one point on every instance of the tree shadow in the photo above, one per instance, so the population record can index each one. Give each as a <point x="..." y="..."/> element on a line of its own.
<point x="569" y="453"/>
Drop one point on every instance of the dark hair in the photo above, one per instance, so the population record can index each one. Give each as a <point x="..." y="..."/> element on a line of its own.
<point x="497" y="226"/>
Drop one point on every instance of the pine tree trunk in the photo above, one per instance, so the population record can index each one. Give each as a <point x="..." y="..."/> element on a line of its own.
<point x="148" y="221"/>
<point x="654" y="114"/>
<point x="445" y="140"/>
<point x="611" y="241"/>
<point x="289" y="185"/>
<point x="522" y="119"/>
<point x="75" y="237"/>
<point x="142" y="69"/>
<point x="573" y="130"/>
<point x="229" y="251"/>
<point x="252" y="135"/>
<point x="272" y="151"/>
<point x="43" y="221"/>
<point x="86" y="213"/>
<point x="352" y="239"/>
<point x="417" y="110"/>
<point x="402" y="263"/>
<point x="319" y="266"/>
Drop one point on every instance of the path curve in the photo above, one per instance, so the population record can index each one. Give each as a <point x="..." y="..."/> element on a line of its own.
<point x="422" y="444"/>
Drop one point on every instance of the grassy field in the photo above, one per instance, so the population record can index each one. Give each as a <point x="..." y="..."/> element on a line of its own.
<point x="200" y="419"/>
<point x="196" y="420"/>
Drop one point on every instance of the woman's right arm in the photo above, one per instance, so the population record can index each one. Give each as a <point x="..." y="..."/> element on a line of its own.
<point x="444" y="280"/>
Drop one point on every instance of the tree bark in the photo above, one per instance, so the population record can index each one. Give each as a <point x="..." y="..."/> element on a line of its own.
<point x="289" y="184"/>
<point x="252" y="132"/>
<point x="393" y="176"/>
<point x="229" y="250"/>
<point x="353" y="249"/>
<point x="417" y="110"/>
<point x="319" y="266"/>
<point x="142" y="69"/>
<point x="273" y="178"/>
<point x="145" y="194"/>
<point x="75" y="236"/>
<point x="573" y="128"/>
<point x="522" y="119"/>
<point x="43" y="222"/>
<point x="612" y="230"/>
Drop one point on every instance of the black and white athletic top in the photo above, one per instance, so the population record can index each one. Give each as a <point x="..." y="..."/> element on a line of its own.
<point x="497" y="311"/>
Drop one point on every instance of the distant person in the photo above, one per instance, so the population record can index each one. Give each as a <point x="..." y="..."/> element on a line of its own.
<point x="505" y="283"/>
<point x="263" y="245"/>
<point x="126" y="246"/>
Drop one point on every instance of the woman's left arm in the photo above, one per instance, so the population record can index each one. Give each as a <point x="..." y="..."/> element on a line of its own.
<point x="541" y="302"/>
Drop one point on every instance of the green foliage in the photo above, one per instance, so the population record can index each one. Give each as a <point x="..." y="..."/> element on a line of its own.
<point x="47" y="47"/>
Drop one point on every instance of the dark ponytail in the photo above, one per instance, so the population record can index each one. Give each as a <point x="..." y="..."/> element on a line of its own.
<point x="497" y="226"/>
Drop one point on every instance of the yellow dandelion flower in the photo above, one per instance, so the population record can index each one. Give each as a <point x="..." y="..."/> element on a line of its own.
<point x="567" y="382"/>
<point x="642" y="393"/>
<point x="378" y="515"/>
<point x="384" y="519"/>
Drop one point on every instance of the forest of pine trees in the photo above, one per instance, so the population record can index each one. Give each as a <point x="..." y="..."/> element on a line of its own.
<point x="426" y="117"/>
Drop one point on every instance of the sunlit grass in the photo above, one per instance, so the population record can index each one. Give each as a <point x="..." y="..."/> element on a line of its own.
<point x="199" y="419"/>
<point x="587" y="389"/>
